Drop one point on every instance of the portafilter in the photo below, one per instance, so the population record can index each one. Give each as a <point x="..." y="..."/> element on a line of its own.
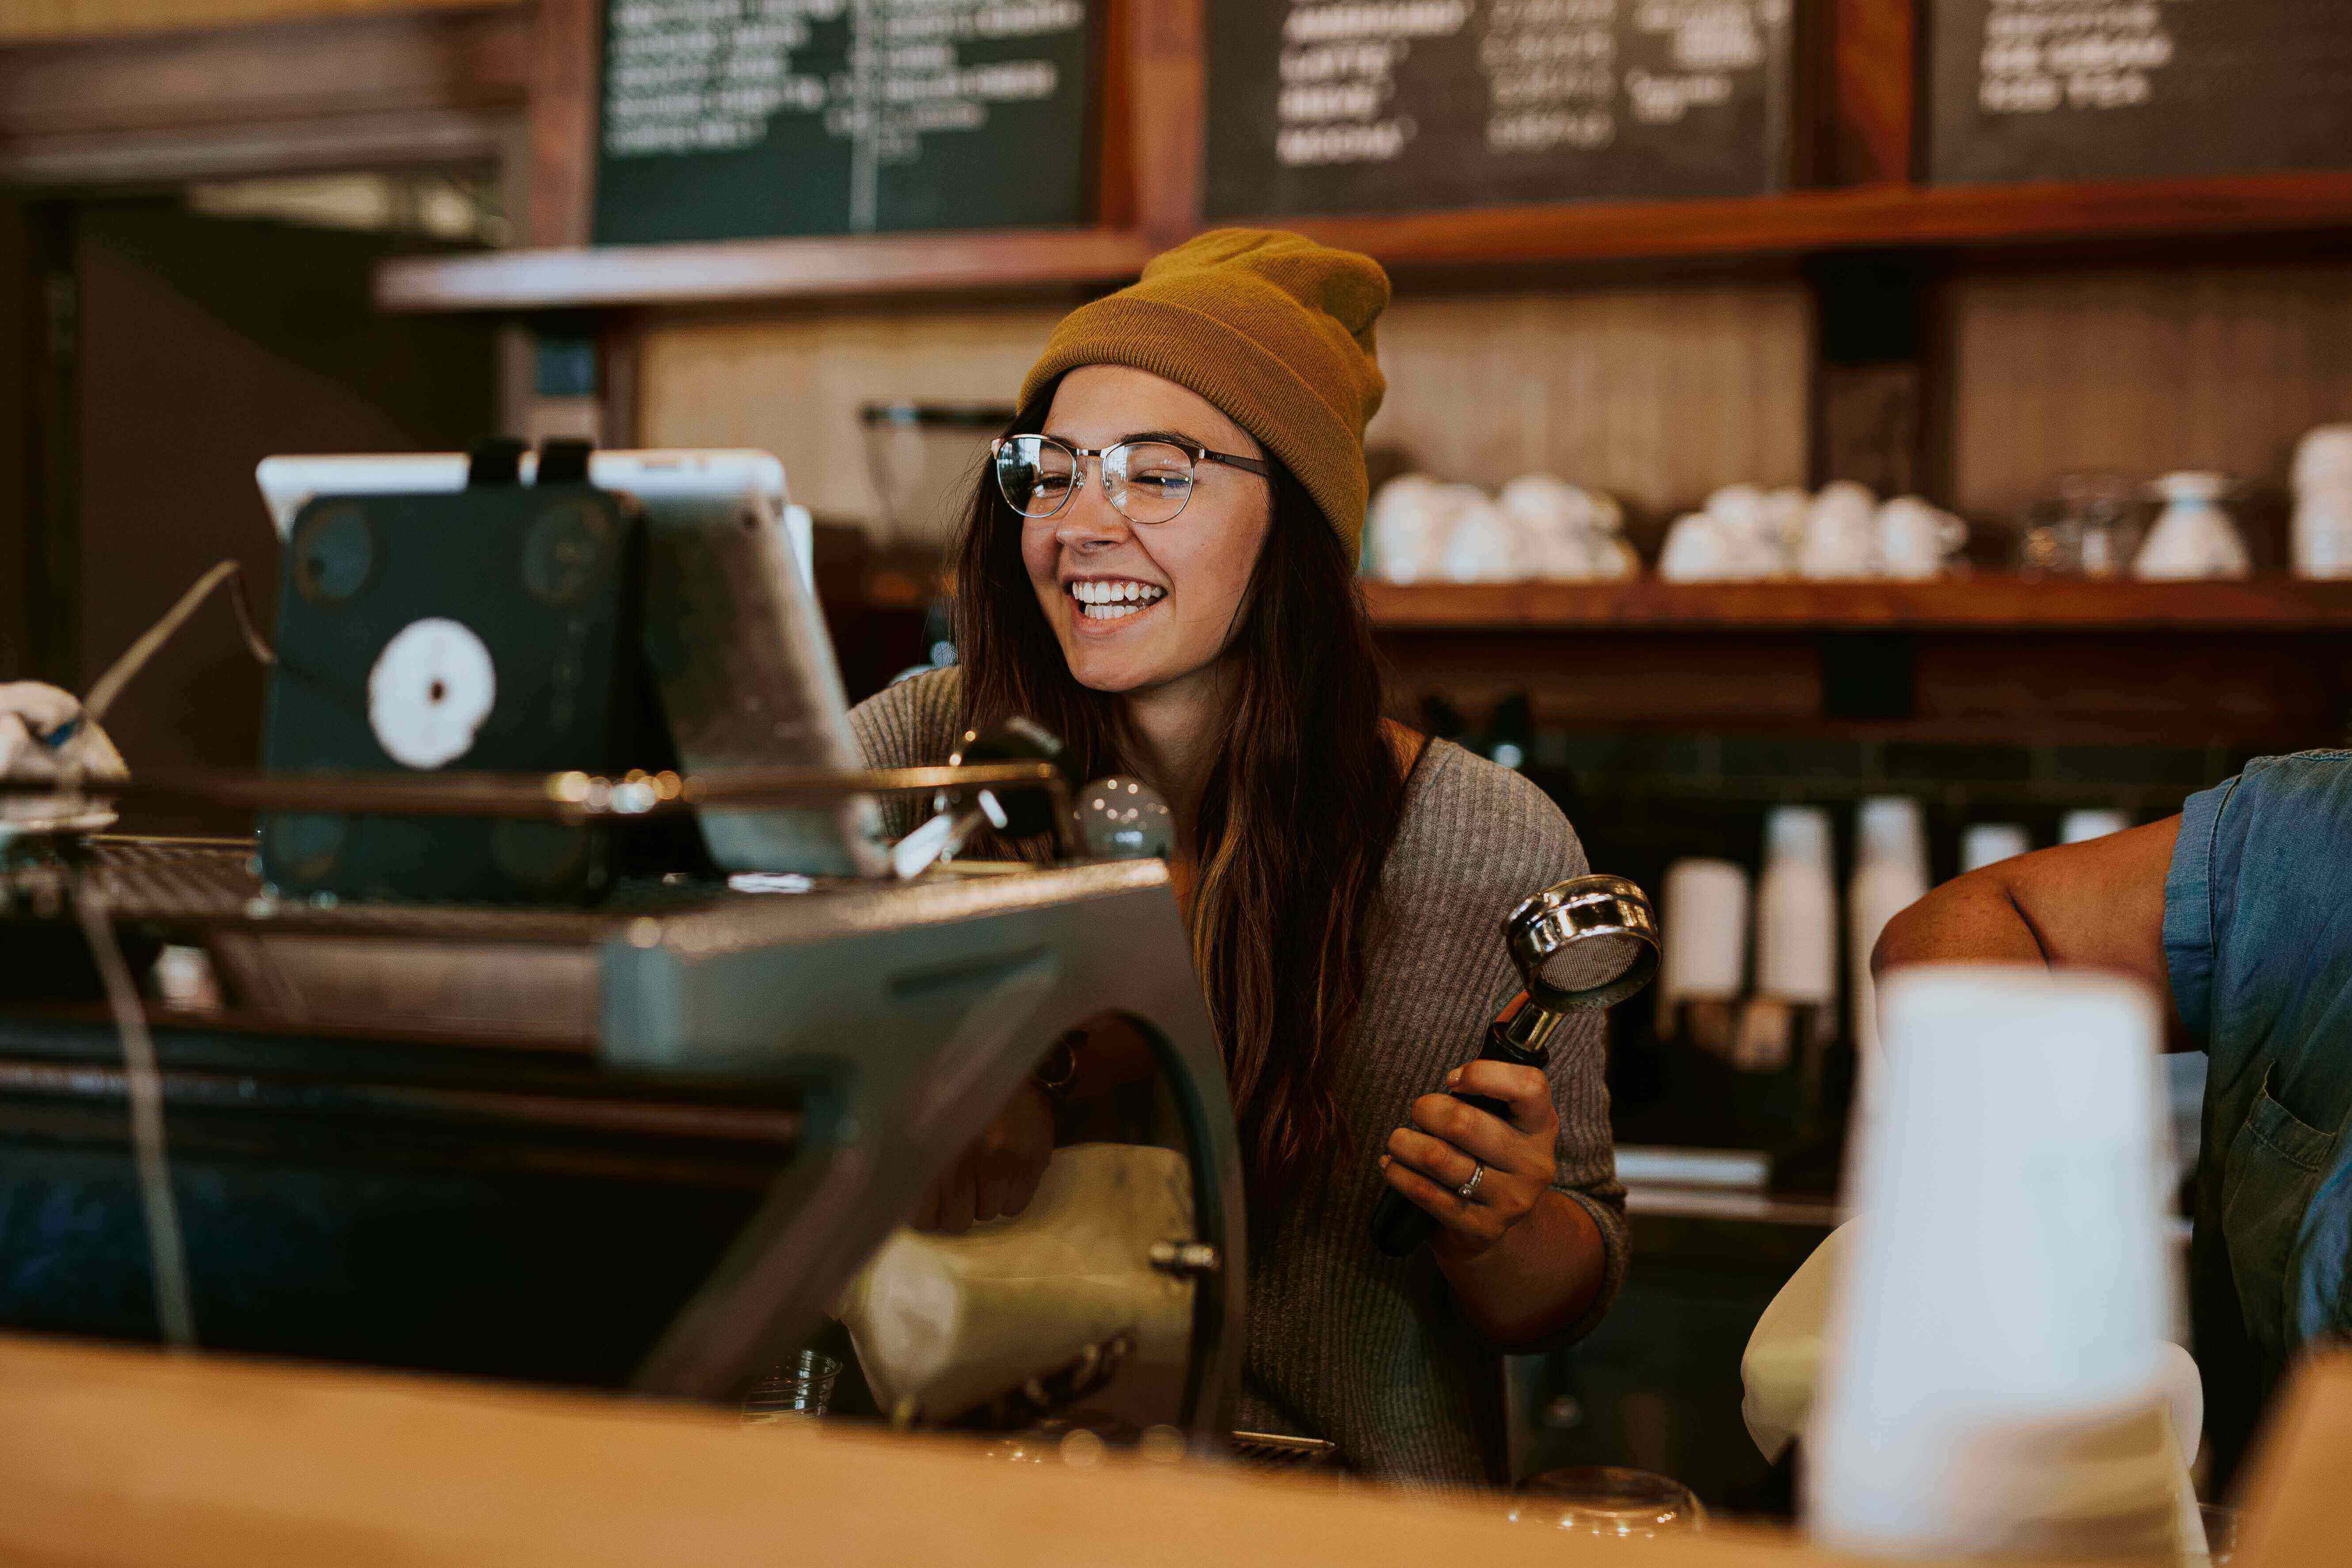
<point x="1580" y="945"/>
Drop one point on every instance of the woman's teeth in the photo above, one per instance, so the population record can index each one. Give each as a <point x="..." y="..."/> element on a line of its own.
<point x="1111" y="601"/>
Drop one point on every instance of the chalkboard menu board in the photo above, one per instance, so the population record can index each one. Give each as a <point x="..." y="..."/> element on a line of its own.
<point x="2090" y="89"/>
<point x="1319" y="106"/>
<point x="728" y="118"/>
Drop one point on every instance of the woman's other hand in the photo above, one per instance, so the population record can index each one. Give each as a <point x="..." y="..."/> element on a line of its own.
<point x="997" y="1176"/>
<point x="1430" y="1160"/>
<point x="42" y="729"/>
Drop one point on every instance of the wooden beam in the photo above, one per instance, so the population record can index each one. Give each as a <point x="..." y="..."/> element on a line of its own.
<point x="1730" y="230"/>
<point x="983" y="259"/>
<point x="567" y="38"/>
<point x="441" y="87"/>
<point x="1167" y="49"/>
<point x="51" y="20"/>
<point x="1867" y="217"/>
<point x="1873" y="62"/>
<point x="1989" y="603"/>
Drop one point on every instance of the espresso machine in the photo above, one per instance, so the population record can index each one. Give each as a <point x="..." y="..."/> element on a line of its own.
<point x="599" y="1066"/>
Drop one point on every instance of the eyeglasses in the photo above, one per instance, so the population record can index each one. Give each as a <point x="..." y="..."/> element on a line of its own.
<point x="1148" y="479"/>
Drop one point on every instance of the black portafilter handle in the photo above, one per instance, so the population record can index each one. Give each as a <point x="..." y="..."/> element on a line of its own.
<point x="1581" y="946"/>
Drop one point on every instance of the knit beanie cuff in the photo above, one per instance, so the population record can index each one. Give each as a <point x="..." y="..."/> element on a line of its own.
<point x="1256" y="389"/>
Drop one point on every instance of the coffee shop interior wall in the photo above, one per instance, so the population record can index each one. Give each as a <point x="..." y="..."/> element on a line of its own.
<point x="1656" y="391"/>
<point x="1656" y="383"/>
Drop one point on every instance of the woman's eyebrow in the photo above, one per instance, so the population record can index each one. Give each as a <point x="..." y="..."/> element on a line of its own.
<point x="1176" y="435"/>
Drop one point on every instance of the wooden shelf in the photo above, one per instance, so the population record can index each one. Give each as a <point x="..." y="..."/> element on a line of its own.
<point x="1860" y="217"/>
<point x="1797" y="223"/>
<point x="744" y="269"/>
<point x="1971" y="604"/>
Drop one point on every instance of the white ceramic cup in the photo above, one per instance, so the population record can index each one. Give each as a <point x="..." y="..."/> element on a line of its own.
<point x="1402" y="530"/>
<point x="1994" y="1372"/>
<point x="1916" y="540"/>
<point x="1693" y="551"/>
<point x="1483" y="544"/>
<point x="1705" y="946"/>
<point x="2322" y="530"/>
<point x="2193" y="537"/>
<point x="1841" y="532"/>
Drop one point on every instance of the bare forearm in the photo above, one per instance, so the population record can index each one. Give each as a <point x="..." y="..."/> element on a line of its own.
<point x="1538" y="1279"/>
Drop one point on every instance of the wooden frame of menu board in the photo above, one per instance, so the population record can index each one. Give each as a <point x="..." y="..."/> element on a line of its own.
<point x="1862" y="194"/>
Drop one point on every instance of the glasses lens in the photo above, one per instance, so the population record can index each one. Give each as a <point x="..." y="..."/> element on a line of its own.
<point x="1034" y="472"/>
<point x="1149" y="481"/>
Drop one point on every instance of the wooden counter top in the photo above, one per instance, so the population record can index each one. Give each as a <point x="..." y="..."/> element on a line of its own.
<point x="124" y="1457"/>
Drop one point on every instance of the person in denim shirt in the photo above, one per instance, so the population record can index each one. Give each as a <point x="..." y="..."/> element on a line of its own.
<point x="2241" y="910"/>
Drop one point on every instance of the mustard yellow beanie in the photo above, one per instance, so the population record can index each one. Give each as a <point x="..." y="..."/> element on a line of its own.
<point x="1274" y="329"/>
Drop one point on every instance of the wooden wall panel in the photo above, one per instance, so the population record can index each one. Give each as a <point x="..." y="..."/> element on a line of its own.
<point x="355" y="92"/>
<point x="93" y="18"/>
<point x="791" y="385"/>
<point x="2143" y="371"/>
<point x="18" y="367"/>
<point x="1659" y="395"/>
<point x="567" y="38"/>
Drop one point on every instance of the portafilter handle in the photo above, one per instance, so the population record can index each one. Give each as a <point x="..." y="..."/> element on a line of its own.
<point x="1580" y="945"/>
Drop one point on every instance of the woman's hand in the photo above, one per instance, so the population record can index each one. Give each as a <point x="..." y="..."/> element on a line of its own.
<point x="998" y="1176"/>
<point x="42" y="730"/>
<point x="1429" y="1160"/>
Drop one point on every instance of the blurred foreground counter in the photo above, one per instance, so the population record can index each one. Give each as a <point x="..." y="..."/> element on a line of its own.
<point x="138" y="1456"/>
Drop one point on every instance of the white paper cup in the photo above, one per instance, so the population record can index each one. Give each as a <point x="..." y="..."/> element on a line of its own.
<point x="1994" y="1370"/>
<point x="1890" y="875"/>
<point x="1705" y="946"/>
<point x="2077" y="826"/>
<point x="1986" y="843"/>
<point x="1796" y="908"/>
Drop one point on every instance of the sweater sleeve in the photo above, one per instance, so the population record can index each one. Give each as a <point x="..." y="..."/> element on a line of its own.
<point x="1584" y="1158"/>
<point x="1481" y="838"/>
<point x="913" y="724"/>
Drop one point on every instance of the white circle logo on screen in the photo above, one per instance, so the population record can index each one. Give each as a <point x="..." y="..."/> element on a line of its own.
<point x="430" y="687"/>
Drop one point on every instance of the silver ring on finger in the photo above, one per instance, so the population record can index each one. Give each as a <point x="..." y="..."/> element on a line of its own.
<point x="1469" y="1189"/>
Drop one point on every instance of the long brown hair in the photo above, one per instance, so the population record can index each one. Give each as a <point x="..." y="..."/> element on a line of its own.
<point x="1295" y="822"/>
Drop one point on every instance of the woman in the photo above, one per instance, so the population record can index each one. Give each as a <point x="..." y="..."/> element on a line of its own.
<point x="1159" y="568"/>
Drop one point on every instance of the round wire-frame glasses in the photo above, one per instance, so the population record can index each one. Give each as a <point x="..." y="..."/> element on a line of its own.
<point x="1146" y="478"/>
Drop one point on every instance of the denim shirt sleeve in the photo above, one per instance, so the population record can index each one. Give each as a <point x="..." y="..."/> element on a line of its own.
<point x="2189" y="908"/>
<point x="2257" y="920"/>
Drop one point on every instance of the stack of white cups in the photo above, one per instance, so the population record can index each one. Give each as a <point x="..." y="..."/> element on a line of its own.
<point x="1706" y="937"/>
<point x="1796" y="908"/>
<point x="1890" y="875"/>
<point x="2090" y="822"/>
<point x="1986" y="843"/>
<point x="1995" y="1368"/>
<point x="2323" y="503"/>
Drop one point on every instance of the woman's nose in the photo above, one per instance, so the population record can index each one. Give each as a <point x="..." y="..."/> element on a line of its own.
<point x="1090" y="519"/>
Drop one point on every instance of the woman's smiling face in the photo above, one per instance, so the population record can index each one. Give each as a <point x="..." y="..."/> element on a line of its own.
<point x="1137" y="606"/>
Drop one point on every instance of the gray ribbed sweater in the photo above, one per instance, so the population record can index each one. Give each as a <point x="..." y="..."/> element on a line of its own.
<point x="1344" y="1343"/>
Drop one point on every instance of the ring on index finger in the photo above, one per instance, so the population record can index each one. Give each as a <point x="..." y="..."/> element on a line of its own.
<point x="1469" y="1189"/>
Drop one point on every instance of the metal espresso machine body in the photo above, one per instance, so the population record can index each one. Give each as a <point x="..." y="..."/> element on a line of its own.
<point x="646" y="1142"/>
